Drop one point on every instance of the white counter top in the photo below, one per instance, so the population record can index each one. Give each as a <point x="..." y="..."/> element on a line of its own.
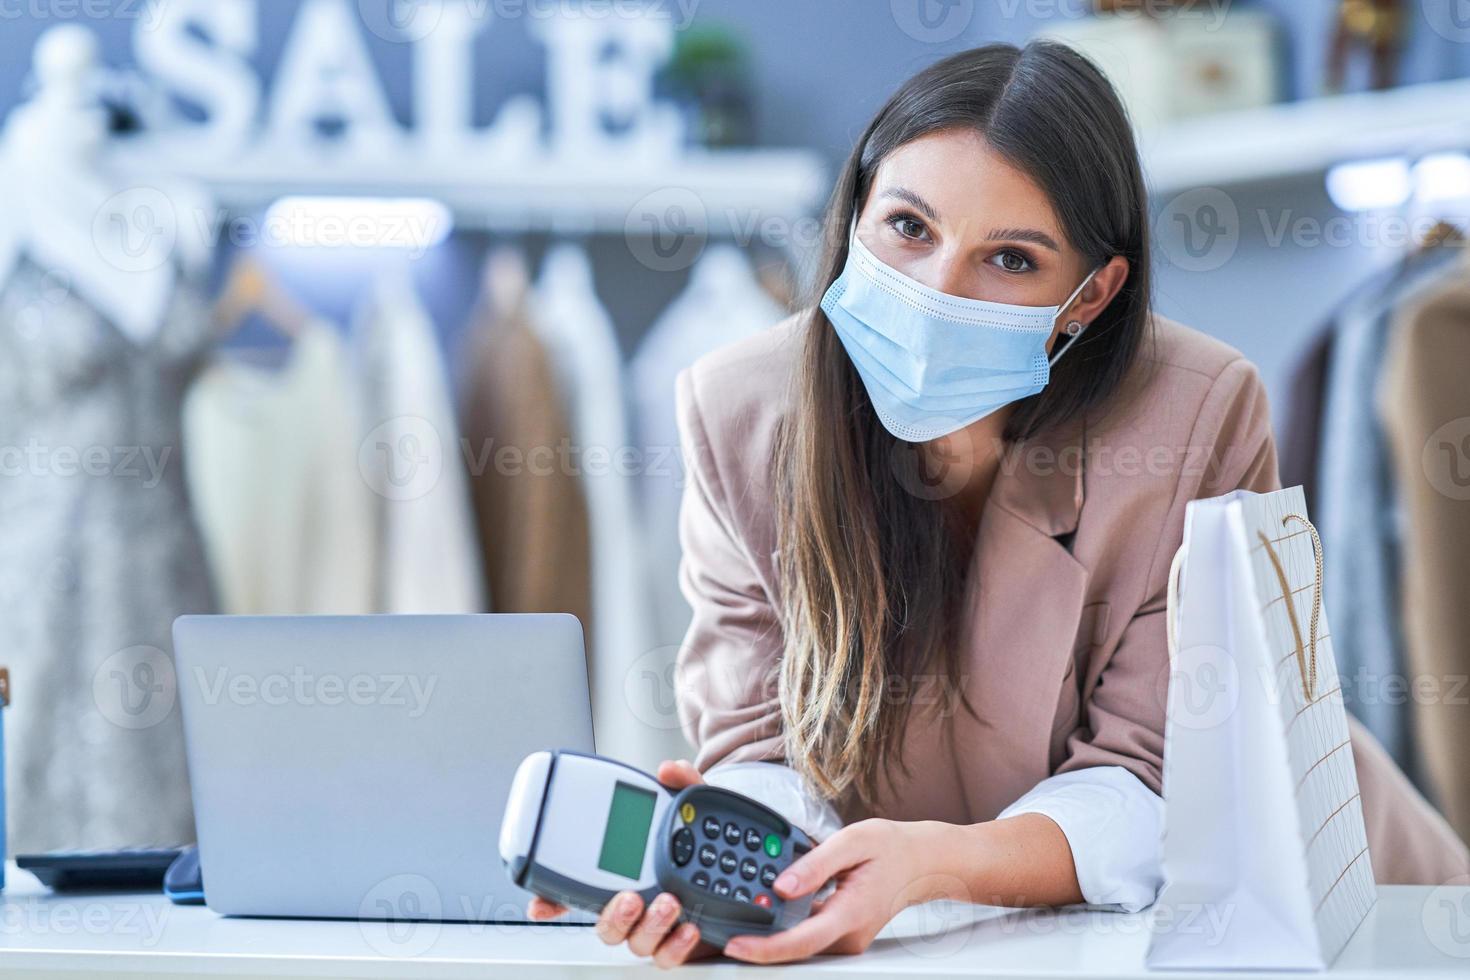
<point x="42" y="935"/>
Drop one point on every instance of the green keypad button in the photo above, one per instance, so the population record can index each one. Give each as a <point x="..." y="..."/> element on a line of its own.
<point x="773" y="845"/>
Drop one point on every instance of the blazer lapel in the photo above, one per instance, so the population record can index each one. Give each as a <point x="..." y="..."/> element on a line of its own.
<point x="1025" y="601"/>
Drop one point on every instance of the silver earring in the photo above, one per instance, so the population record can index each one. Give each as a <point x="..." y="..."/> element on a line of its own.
<point x="1072" y="329"/>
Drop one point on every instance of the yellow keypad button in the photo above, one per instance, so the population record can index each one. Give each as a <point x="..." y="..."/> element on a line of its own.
<point x="686" y="812"/>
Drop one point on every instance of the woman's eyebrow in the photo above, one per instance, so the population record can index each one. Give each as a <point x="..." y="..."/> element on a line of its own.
<point x="1000" y="234"/>
<point x="1024" y="235"/>
<point x="904" y="194"/>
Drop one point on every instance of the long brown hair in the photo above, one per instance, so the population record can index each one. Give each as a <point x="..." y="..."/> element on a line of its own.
<point x="871" y="572"/>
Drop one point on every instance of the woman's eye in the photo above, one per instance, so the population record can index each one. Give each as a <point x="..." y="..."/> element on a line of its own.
<point x="1013" y="262"/>
<point x="908" y="227"/>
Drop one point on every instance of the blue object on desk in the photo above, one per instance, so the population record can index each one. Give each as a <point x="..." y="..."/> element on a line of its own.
<point x="4" y="703"/>
<point x="183" y="883"/>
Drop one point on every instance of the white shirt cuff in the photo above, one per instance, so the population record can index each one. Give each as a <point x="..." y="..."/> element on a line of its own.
<point x="782" y="789"/>
<point x="1113" y="824"/>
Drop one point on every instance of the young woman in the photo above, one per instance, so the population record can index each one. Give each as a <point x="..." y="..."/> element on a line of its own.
<point x="928" y="526"/>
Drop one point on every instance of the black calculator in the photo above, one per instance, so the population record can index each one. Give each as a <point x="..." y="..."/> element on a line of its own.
<point x="129" y="869"/>
<point x="580" y="828"/>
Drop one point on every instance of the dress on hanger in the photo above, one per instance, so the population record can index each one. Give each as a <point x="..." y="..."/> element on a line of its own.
<point x="102" y="554"/>
<point x="1356" y="510"/>
<point x="1425" y="404"/>
<point x="272" y="469"/>
<point x="412" y="458"/>
<point x="529" y="505"/>
<point x="722" y="303"/>
<point x="578" y="334"/>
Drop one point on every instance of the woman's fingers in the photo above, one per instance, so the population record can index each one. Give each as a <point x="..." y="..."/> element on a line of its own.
<point x="655" y="931"/>
<point x="679" y="946"/>
<point x="676" y="774"/>
<point x="618" y="917"/>
<point x="834" y="855"/>
<point x="657" y="922"/>
<point x="540" y="910"/>
<point x="803" y="940"/>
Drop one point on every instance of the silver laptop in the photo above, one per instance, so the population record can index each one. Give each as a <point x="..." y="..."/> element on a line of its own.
<point x="357" y="766"/>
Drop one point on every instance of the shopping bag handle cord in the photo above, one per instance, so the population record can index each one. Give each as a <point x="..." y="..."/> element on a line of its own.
<point x="1171" y="603"/>
<point x="1307" y="667"/>
<point x="1306" y="658"/>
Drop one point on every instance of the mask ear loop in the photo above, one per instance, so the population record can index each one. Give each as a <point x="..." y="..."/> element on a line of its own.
<point x="1074" y="328"/>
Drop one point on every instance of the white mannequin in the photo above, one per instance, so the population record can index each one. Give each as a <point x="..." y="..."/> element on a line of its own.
<point x="118" y="244"/>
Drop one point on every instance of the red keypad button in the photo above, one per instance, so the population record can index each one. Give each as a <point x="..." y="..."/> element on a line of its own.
<point x="763" y="900"/>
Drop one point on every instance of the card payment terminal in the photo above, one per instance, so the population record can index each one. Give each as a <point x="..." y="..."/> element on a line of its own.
<point x="579" y="828"/>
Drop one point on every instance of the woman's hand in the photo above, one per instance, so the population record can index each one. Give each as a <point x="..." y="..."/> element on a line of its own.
<point x="880" y="867"/>
<point x="652" y="931"/>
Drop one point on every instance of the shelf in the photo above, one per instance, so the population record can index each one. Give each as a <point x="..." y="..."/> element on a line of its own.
<point x="1308" y="137"/>
<point x="734" y="189"/>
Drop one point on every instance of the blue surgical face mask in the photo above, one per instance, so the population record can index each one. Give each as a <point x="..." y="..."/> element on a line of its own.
<point x="933" y="363"/>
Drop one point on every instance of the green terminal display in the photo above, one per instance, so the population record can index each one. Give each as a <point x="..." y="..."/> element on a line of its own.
<point x="629" y="820"/>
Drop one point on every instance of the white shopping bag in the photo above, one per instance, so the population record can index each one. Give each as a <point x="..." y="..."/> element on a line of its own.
<point x="1266" y="861"/>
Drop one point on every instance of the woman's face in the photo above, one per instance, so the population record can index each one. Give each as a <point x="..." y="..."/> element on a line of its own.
<point x="949" y="211"/>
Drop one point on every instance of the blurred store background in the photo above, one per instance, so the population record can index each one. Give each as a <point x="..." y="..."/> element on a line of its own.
<point x="280" y="281"/>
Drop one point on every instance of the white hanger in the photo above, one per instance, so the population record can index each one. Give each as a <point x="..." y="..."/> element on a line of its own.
<point x="566" y="277"/>
<point x="505" y="280"/>
<point x="117" y="243"/>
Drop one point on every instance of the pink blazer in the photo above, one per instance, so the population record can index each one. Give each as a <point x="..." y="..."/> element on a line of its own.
<point x="1067" y="664"/>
